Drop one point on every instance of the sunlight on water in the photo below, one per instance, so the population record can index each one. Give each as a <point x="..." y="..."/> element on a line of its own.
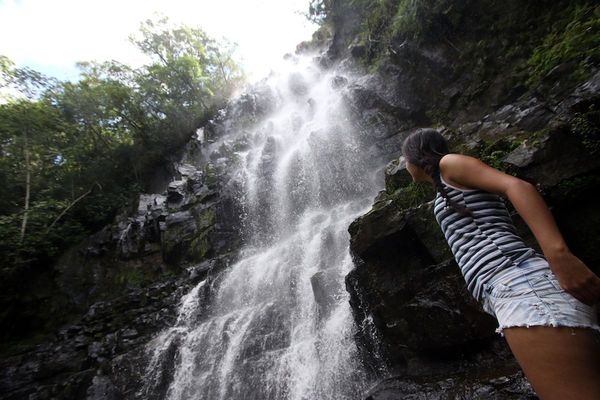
<point x="279" y="324"/>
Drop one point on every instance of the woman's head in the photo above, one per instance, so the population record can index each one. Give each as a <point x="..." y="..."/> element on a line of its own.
<point x="424" y="149"/>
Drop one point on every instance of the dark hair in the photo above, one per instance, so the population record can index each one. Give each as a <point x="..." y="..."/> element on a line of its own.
<point x="425" y="148"/>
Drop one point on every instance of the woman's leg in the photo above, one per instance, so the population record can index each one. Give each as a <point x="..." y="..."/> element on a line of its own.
<point x="561" y="363"/>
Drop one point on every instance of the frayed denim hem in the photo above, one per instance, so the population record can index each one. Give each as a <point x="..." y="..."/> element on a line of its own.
<point x="595" y="328"/>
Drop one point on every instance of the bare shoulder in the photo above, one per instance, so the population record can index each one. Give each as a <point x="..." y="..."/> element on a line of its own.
<point x="452" y="165"/>
<point x="470" y="172"/>
<point x="454" y="160"/>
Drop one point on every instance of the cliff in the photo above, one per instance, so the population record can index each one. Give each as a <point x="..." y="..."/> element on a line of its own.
<point x="473" y="72"/>
<point x="515" y="84"/>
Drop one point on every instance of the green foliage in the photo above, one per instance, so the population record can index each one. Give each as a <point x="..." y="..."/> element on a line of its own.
<point x="190" y="66"/>
<point x="130" y="277"/>
<point x="388" y="21"/>
<point x="210" y="175"/>
<point x="494" y="153"/>
<point x="83" y="150"/>
<point x="573" y="186"/>
<point x="412" y="195"/>
<point x="318" y="10"/>
<point x="586" y="125"/>
<point x="419" y="19"/>
<point x="522" y="41"/>
<point x="26" y="81"/>
<point x="574" y="38"/>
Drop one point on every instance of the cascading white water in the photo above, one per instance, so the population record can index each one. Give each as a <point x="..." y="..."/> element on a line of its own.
<point x="279" y="325"/>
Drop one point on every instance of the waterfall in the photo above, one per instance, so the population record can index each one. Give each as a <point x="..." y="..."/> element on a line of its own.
<point x="277" y="323"/>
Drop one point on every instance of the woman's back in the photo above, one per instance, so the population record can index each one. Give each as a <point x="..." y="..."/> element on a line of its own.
<point x="483" y="242"/>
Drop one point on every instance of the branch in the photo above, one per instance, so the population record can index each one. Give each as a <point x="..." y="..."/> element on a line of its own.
<point x="453" y="46"/>
<point x="71" y="205"/>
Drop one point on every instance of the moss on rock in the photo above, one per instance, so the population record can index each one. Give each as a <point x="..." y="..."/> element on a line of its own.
<point x="205" y="218"/>
<point x="130" y="277"/>
<point x="211" y="178"/>
<point x="200" y="246"/>
<point x="574" y="39"/>
<point x="412" y="195"/>
<point x="586" y="126"/>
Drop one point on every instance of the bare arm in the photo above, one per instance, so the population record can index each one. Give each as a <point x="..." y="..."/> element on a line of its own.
<point x="573" y="275"/>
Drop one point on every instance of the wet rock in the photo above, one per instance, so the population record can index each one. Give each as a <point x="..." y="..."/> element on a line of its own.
<point x="407" y="283"/>
<point x="98" y="244"/>
<point x="129" y="333"/>
<point x="102" y="388"/>
<point x="338" y="82"/>
<point x="396" y="175"/>
<point x="530" y="115"/>
<point x="323" y="284"/>
<point x="470" y="128"/>
<point x="176" y="193"/>
<point x="357" y="50"/>
<point x="63" y="369"/>
<point x="389" y="147"/>
<point x="179" y="232"/>
<point x="502" y="387"/>
<point x="554" y="156"/>
<point x="583" y="95"/>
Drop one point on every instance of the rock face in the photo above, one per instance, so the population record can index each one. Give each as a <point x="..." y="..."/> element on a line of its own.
<point x="122" y="285"/>
<point x="418" y="328"/>
<point x="188" y="223"/>
<point x="510" y="386"/>
<point x="407" y="294"/>
<point x="100" y="355"/>
<point x="417" y="322"/>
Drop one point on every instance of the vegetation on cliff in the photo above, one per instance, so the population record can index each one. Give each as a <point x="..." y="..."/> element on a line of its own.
<point x="530" y="39"/>
<point x="73" y="153"/>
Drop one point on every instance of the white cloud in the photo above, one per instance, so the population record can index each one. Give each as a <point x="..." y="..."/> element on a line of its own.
<point x="52" y="35"/>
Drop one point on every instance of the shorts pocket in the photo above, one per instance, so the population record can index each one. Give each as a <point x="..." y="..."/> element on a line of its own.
<point x="555" y="284"/>
<point x="500" y="290"/>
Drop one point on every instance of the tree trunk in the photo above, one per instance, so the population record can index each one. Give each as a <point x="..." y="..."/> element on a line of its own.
<point x="27" y="188"/>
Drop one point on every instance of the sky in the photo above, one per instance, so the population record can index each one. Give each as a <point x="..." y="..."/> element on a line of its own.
<point x="50" y="36"/>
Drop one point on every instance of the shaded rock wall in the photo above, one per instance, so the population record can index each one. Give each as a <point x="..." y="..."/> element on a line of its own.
<point x="408" y="286"/>
<point x="416" y="319"/>
<point x="114" y="291"/>
<point x="417" y="323"/>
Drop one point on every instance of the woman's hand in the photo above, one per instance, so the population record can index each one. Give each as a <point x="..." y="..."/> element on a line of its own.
<point x="575" y="277"/>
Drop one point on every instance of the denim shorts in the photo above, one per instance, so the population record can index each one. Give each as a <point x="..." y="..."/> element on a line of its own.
<point x="528" y="294"/>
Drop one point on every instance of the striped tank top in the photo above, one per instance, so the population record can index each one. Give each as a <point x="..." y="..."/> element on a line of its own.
<point x="483" y="243"/>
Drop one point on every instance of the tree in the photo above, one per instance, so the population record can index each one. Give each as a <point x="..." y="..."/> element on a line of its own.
<point x="30" y="137"/>
<point x="74" y="153"/>
<point x="26" y="82"/>
<point x="189" y="75"/>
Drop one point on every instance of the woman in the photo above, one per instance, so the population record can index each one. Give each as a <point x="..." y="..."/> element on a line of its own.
<point x="545" y="303"/>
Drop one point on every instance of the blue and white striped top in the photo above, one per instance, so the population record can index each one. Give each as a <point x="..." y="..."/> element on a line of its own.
<point x="483" y="243"/>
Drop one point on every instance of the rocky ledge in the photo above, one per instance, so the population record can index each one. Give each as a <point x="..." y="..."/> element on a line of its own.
<point x="417" y="322"/>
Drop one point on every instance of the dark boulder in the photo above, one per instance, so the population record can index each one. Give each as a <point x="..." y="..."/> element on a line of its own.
<point x="396" y="175"/>
<point x="506" y="386"/>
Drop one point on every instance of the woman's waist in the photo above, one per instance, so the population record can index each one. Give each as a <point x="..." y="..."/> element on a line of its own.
<point x="500" y="270"/>
<point x="510" y="246"/>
